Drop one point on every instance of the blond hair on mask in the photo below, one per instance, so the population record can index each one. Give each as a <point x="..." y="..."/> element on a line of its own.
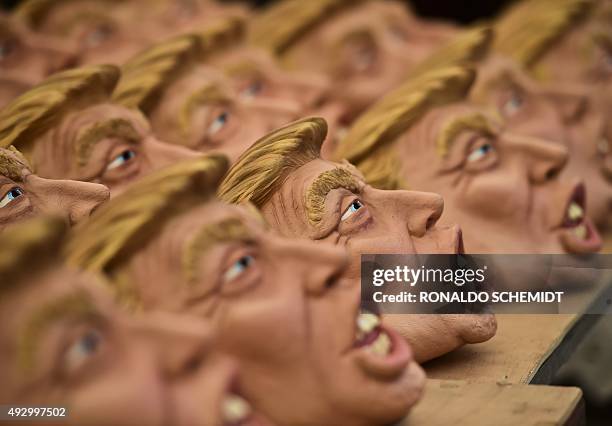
<point x="125" y="224"/>
<point x="281" y="25"/>
<point x="146" y="76"/>
<point x="27" y="246"/>
<point x="42" y="107"/>
<point x="529" y="28"/>
<point x="262" y="169"/>
<point x="368" y="144"/>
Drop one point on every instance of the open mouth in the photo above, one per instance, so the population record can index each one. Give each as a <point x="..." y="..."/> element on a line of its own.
<point x="579" y="235"/>
<point x="370" y="334"/>
<point x="381" y="352"/>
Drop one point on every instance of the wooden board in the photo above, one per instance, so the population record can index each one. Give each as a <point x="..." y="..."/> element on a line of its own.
<point x="460" y="403"/>
<point x="513" y="355"/>
<point x="526" y="348"/>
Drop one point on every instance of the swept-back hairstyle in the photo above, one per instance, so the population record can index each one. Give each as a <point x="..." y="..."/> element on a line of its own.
<point x="146" y="76"/>
<point x="39" y="109"/>
<point x="125" y="224"/>
<point x="27" y="247"/>
<point x="529" y="28"/>
<point x="369" y="142"/>
<point x="263" y="168"/>
<point x="281" y="25"/>
<point x="33" y="12"/>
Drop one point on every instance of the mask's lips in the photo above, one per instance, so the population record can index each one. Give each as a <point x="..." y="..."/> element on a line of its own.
<point x="578" y="233"/>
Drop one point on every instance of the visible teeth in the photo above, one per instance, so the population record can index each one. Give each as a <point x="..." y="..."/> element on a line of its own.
<point x="341" y="132"/>
<point x="575" y="211"/>
<point x="581" y="231"/>
<point x="235" y="409"/>
<point x="366" y="323"/>
<point x="382" y="345"/>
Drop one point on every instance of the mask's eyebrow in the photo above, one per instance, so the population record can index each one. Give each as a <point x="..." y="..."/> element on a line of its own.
<point x="227" y="230"/>
<point x="77" y="305"/>
<point x="321" y="186"/>
<point x="453" y="128"/>
<point x="242" y="69"/>
<point x="208" y="94"/>
<point x="11" y="167"/>
<point x="113" y="128"/>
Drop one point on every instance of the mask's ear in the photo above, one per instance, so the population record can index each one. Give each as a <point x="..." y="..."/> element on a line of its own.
<point x="571" y="103"/>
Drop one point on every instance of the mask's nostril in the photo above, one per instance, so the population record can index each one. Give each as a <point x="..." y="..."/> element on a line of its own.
<point x="430" y="223"/>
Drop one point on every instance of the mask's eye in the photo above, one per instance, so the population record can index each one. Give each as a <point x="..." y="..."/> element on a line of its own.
<point x="352" y="209"/>
<point x="98" y="35"/>
<point x="252" y="90"/>
<point x="83" y="349"/>
<point x="512" y="105"/>
<point x="11" y="196"/>
<point x="7" y="48"/>
<point x="481" y="152"/>
<point x="398" y="32"/>
<point x="360" y="53"/>
<point x="122" y="159"/>
<point x="238" y="268"/>
<point x="218" y="123"/>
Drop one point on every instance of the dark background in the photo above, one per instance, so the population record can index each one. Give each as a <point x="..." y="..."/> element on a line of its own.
<point x="464" y="11"/>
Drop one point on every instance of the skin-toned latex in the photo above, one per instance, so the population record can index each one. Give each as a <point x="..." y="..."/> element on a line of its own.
<point x="583" y="55"/>
<point x="100" y="32"/>
<point x="31" y="195"/>
<point x="166" y="18"/>
<point x="228" y="125"/>
<point x="114" y="160"/>
<point x="386" y="222"/>
<point x="503" y="188"/>
<point x="261" y="77"/>
<point x="582" y="59"/>
<point x="305" y="372"/>
<point x="367" y="49"/>
<point x="27" y="58"/>
<point x="105" y="366"/>
<point x="559" y="113"/>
